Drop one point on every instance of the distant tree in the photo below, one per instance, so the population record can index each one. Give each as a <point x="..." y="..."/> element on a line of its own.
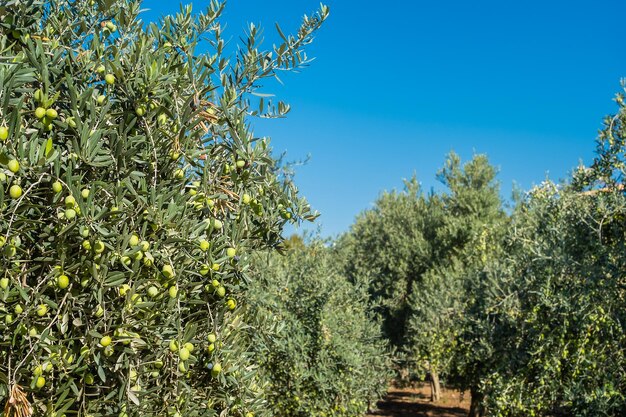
<point x="462" y="218"/>
<point x="386" y="250"/>
<point x="413" y="252"/>
<point x="326" y="356"/>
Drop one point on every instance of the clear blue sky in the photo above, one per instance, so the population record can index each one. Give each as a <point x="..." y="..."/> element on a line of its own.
<point x="397" y="85"/>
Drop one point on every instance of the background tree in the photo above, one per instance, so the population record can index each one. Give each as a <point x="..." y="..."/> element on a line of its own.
<point x="386" y="250"/>
<point x="557" y="312"/>
<point x="413" y="250"/>
<point x="328" y="357"/>
<point x="132" y="192"/>
<point x="462" y="219"/>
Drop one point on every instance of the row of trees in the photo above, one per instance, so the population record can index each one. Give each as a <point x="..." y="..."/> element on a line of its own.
<point x="525" y="309"/>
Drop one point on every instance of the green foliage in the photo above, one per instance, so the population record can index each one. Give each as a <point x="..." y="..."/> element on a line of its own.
<point x="557" y="338"/>
<point x="386" y="250"/>
<point x="463" y="219"/>
<point x="328" y="357"/>
<point x="551" y="310"/>
<point x="132" y="192"/>
<point x="415" y="250"/>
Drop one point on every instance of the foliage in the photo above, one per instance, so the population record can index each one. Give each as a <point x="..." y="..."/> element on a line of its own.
<point x="328" y="358"/>
<point x="414" y="251"/>
<point x="557" y="314"/>
<point x="386" y="250"/>
<point x="464" y="218"/>
<point x="132" y="192"/>
<point x="553" y="306"/>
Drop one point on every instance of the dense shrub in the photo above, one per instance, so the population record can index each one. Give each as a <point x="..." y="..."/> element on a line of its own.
<point x="328" y="358"/>
<point x="565" y="297"/>
<point x="549" y="318"/>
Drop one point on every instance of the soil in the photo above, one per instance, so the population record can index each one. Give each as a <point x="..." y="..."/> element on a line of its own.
<point x="415" y="402"/>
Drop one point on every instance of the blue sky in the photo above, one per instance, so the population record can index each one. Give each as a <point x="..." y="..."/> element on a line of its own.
<point x="396" y="85"/>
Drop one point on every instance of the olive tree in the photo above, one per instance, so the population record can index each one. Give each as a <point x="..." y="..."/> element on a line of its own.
<point x="552" y="314"/>
<point x="545" y="332"/>
<point x="328" y="357"/>
<point x="132" y="193"/>
<point x="462" y="218"/>
<point x="386" y="250"/>
<point x="413" y="250"/>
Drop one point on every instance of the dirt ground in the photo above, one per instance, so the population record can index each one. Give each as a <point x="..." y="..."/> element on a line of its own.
<point x="415" y="402"/>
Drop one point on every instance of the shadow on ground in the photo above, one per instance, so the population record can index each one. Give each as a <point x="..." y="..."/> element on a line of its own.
<point x="416" y="403"/>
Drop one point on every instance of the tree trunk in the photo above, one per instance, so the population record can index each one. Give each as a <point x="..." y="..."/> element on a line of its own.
<point x="435" y="386"/>
<point x="476" y="408"/>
